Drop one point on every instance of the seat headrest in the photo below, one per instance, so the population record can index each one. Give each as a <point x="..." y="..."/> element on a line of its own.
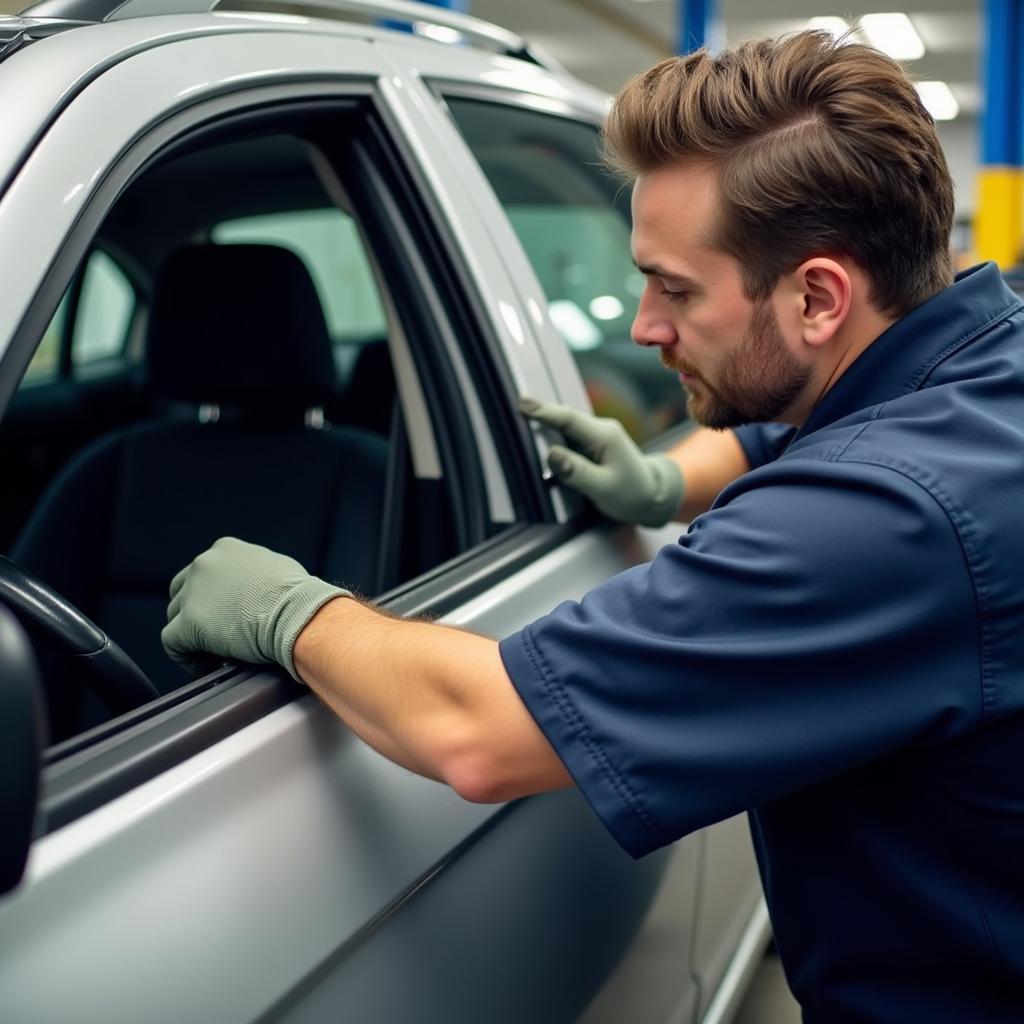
<point x="239" y="325"/>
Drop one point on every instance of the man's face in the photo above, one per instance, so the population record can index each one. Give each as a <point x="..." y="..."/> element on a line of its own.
<point x="731" y="353"/>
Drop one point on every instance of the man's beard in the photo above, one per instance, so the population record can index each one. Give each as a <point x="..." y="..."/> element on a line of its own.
<point x="756" y="382"/>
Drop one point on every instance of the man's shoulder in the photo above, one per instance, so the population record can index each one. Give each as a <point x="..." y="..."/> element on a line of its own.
<point x="835" y="489"/>
<point x="862" y="457"/>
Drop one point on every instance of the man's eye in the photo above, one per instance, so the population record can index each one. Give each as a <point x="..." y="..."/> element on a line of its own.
<point x="674" y="296"/>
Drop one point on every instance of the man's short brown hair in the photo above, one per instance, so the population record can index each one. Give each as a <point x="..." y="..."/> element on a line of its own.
<point x="821" y="146"/>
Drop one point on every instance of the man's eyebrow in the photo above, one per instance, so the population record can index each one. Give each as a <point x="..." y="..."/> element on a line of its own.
<point x="655" y="270"/>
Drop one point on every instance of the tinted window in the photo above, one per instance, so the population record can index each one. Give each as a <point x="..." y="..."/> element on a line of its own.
<point x="104" y="311"/>
<point x="46" y="361"/>
<point x="328" y="242"/>
<point x="103" y="318"/>
<point x="244" y="418"/>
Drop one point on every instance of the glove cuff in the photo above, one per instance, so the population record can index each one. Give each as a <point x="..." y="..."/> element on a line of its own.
<point x="291" y="615"/>
<point x="669" y="487"/>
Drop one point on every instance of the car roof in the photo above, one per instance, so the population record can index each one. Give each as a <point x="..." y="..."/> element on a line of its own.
<point x="47" y="17"/>
<point x="47" y="56"/>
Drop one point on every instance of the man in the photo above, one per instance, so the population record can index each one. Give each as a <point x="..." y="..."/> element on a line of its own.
<point x="838" y="644"/>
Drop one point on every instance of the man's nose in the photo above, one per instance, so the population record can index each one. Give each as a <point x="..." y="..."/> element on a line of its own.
<point x="650" y="327"/>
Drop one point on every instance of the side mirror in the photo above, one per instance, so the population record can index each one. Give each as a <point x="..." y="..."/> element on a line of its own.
<point x="21" y="744"/>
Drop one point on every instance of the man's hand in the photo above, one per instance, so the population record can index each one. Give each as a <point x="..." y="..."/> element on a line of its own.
<point x="623" y="482"/>
<point x="244" y="602"/>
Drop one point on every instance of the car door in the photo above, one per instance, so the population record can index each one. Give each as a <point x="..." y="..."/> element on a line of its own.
<point x="230" y="851"/>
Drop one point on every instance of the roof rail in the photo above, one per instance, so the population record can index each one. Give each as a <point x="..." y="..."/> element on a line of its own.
<point x="419" y="16"/>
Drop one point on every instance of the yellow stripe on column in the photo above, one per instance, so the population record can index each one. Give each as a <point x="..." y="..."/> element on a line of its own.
<point x="999" y="216"/>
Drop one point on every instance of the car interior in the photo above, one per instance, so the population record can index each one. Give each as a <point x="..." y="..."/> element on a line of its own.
<point x="219" y="365"/>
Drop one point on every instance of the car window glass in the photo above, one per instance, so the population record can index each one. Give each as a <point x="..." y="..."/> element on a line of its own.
<point x="573" y="221"/>
<point x="328" y="242"/>
<point x="104" y="311"/>
<point x="45" y="361"/>
<point x="241" y="420"/>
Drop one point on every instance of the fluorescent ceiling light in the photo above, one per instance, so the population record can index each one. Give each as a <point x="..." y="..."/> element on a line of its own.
<point x="892" y="34"/>
<point x="833" y="25"/>
<point x="574" y="325"/>
<point x="442" y="33"/>
<point x="939" y="100"/>
<point x="606" y="307"/>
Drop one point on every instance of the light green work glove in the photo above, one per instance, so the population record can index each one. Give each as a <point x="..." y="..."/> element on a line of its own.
<point x="623" y="482"/>
<point x="244" y="602"/>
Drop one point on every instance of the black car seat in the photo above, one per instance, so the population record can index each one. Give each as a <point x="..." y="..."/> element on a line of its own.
<point x="236" y="337"/>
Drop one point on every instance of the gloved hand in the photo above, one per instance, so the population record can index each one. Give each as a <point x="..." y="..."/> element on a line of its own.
<point x="244" y="602"/>
<point x="623" y="482"/>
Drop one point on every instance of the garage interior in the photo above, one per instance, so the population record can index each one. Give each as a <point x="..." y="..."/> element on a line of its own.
<point x="973" y="93"/>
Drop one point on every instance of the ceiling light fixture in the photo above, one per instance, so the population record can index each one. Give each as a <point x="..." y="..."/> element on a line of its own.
<point x="834" y="26"/>
<point x="938" y="100"/>
<point x="893" y="34"/>
<point x="440" y="33"/>
<point x="606" y="307"/>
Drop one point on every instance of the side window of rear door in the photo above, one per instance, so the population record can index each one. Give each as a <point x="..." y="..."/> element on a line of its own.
<point x="94" y="317"/>
<point x="572" y="218"/>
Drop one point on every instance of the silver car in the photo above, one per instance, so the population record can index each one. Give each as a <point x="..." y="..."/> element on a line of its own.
<point x="281" y="273"/>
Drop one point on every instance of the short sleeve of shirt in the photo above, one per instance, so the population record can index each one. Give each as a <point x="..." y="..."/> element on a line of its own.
<point x="816" y="619"/>
<point x="763" y="442"/>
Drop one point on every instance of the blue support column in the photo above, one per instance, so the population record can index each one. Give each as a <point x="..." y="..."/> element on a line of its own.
<point x="462" y="6"/>
<point x="999" y="213"/>
<point x="695" y="18"/>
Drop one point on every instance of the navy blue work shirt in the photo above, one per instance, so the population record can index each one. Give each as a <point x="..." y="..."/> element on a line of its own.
<point x="837" y="646"/>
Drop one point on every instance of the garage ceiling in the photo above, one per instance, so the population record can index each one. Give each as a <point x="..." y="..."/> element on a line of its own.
<point x="606" y="41"/>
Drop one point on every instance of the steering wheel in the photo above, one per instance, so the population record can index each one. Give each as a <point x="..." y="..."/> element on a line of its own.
<point x="113" y="676"/>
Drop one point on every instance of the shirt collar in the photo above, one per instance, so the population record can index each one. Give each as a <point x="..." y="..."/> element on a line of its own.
<point x="900" y="358"/>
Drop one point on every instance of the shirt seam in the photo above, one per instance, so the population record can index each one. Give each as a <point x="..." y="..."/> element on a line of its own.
<point x="986" y="925"/>
<point x="836" y="454"/>
<point x="929" y="367"/>
<point x="577" y="723"/>
<point x="961" y="531"/>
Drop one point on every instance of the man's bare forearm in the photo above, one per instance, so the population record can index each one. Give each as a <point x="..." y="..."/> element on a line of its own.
<point x="435" y="699"/>
<point x="709" y="460"/>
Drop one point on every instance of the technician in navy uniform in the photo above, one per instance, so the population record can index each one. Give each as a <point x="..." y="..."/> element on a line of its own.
<point x="837" y="644"/>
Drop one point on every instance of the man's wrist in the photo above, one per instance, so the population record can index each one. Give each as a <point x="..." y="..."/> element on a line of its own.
<point x="669" y="489"/>
<point x="293" y="616"/>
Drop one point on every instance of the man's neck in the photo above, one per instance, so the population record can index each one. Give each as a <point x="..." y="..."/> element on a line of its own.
<point x="862" y="328"/>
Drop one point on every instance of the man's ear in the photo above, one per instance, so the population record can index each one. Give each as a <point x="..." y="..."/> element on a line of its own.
<point x="826" y="293"/>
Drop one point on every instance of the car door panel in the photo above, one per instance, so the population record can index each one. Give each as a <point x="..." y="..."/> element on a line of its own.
<point x="293" y="819"/>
